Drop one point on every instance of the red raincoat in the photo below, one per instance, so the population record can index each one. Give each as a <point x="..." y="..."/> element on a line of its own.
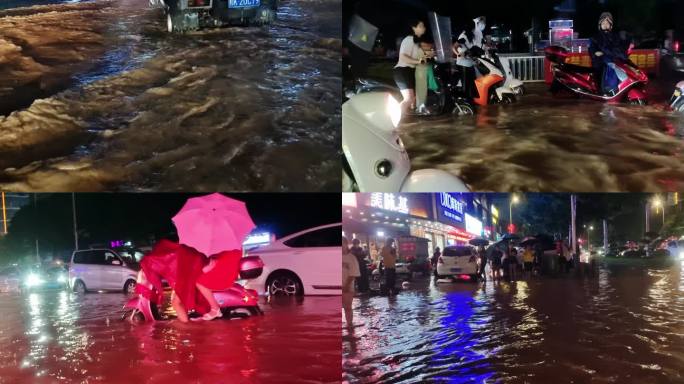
<point x="180" y="266"/>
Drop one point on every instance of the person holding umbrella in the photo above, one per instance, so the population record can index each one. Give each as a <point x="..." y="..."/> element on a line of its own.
<point x="482" y="258"/>
<point x="215" y="225"/>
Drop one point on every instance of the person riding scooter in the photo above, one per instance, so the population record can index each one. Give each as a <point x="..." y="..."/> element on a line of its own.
<point x="605" y="48"/>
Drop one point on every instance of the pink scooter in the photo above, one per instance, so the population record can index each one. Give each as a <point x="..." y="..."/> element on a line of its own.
<point x="236" y="301"/>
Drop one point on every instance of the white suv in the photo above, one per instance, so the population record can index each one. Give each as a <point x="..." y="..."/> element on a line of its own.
<point x="307" y="262"/>
<point x="101" y="270"/>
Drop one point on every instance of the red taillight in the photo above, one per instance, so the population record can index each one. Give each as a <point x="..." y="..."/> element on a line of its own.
<point x="440" y="260"/>
<point x="464" y="277"/>
<point x="675" y="46"/>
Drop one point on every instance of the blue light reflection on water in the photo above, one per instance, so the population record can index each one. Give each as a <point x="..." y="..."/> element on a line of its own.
<point x="456" y="339"/>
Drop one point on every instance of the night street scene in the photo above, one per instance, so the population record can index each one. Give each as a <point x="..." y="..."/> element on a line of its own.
<point x="114" y="288"/>
<point x="540" y="96"/>
<point x="170" y="95"/>
<point x="513" y="288"/>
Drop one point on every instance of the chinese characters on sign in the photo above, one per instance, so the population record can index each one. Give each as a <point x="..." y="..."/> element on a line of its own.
<point x="389" y="202"/>
<point x="452" y="207"/>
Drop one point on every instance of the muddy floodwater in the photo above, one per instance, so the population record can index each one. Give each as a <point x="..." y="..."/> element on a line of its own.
<point x="551" y="144"/>
<point x="625" y="325"/>
<point x="50" y="337"/>
<point x="97" y="95"/>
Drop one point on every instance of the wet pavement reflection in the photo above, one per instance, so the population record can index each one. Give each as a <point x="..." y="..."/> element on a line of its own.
<point x="50" y="337"/>
<point x="624" y="325"/>
<point x="551" y="144"/>
<point x="98" y="96"/>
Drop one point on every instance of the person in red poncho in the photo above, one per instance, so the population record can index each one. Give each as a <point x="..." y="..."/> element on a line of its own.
<point x="218" y="275"/>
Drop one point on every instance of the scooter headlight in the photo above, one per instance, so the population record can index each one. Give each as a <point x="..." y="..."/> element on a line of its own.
<point x="681" y="255"/>
<point x="393" y="108"/>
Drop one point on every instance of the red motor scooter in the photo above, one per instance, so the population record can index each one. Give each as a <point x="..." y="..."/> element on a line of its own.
<point x="236" y="301"/>
<point x="582" y="80"/>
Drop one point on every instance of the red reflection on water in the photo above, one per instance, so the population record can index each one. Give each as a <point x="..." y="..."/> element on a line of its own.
<point x="57" y="336"/>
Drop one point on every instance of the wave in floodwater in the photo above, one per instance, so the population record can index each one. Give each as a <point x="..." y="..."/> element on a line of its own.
<point x="50" y="337"/>
<point x="229" y="108"/>
<point x="555" y="144"/>
<point x="624" y="325"/>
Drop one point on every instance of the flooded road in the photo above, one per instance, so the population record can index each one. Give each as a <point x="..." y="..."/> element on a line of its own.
<point x="98" y="96"/>
<point x="52" y="337"/>
<point x="552" y="144"/>
<point x="624" y="326"/>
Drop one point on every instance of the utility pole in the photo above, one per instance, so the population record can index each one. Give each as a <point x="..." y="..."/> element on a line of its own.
<point x="4" y="214"/>
<point x="35" y="213"/>
<point x="73" y="211"/>
<point x="605" y="236"/>
<point x="573" y="214"/>
<point x="648" y="218"/>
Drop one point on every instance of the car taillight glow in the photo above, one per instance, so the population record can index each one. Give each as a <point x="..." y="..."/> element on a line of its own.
<point x="675" y="46"/>
<point x="464" y="277"/>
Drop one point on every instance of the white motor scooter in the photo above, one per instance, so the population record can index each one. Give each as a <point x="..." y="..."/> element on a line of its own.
<point x="514" y="85"/>
<point x="677" y="101"/>
<point x="374" y="156"/>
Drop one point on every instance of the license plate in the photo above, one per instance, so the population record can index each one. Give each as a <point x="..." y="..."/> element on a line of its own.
<point x="243" y="3"/>
<point x="455" y="269"/>
<point x="678" y="93"/>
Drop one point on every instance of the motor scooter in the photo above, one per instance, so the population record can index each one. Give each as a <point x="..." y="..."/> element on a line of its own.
<point x="493" y="85"/>
<point x="677" y="100"/>
<point x="582" y="81"/>
<point x="236" y="301"/>
<point x="374" y="156"/>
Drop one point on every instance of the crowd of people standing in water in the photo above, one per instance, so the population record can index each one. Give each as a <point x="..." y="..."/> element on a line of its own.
<point x="501" y="262"/>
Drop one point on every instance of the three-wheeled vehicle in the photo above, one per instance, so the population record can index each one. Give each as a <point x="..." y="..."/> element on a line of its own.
<point x="189" y="15"/>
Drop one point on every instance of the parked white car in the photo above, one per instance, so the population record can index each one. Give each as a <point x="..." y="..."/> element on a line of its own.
<point x="676" y="249"/>
<point x="101" y="270"/>
<point x="456" y="261"/>
<point x="305" y="263"/>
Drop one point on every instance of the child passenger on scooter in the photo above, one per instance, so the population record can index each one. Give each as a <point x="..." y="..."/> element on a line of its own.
<point x="219" y="274"/>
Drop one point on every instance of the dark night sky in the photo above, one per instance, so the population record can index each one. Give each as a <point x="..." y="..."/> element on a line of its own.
<point x="103" y="217"/>
<point x="635" y="16"/>
<point x="624" y="211"/>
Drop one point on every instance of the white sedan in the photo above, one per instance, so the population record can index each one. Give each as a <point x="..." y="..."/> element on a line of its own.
<point x="305" y="263"/>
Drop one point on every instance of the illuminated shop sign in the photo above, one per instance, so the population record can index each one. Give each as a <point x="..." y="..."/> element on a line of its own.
<point x="349" y="199"/>
<point x="389" y="202"/>
<point x="473" y="225"/>
<point x="495" y="215"/>
<point x="257" y="238"/>
<point x="451" y="207"/>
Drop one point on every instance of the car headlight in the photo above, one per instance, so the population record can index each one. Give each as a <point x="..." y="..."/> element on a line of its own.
<point x="62" y="279"/>
<point x="33" y="279"/>
<point x="393" y="109"/>
<point x="681" y="255"/>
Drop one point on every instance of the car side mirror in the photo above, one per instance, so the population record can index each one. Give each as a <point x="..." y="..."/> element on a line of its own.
<point x="116" y="262"/>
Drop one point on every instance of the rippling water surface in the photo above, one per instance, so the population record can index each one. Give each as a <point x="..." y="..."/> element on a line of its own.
<point x="626" y="325"/>
<point x="51" y="337"/>
<point x="100" y="96"/>
<point x="548" y="144"/>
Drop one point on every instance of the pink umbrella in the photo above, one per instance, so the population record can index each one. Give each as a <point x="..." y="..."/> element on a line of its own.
<point x="213" y="223"/>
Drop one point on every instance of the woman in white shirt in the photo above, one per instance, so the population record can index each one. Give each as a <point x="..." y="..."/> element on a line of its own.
<point x="410" y="55"/>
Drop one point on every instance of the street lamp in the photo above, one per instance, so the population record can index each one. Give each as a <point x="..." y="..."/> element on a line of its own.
<point x="658" y="204"/>
<point x="513" y="200"/>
